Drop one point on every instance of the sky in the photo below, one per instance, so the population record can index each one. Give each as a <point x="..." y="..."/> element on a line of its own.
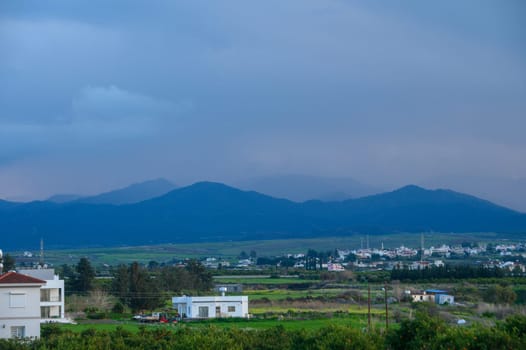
<point x="100" y="94"/>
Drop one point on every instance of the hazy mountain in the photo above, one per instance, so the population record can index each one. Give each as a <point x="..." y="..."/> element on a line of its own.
<point x="63" y="198"/>
<point x="131" y="194"/>
<point x="507" y="192"/>
<point x="301" y="188"/>
<point x="215" y="212"/>
<point x="7" y="204"/>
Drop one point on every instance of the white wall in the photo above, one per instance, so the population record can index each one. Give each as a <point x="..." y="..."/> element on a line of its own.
<point x="55" y="287"/>
<point x="190" y="306"/>
<point x="56" y="291"/>
<point x="28" y="315"/>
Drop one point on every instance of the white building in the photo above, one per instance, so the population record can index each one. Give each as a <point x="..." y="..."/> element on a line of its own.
<point x="335" y="267"/>
<point x="19" y="305"/>
<point x="51" y="294"/>
<point x="422" y="297"/>
<point x="211" y="306"/>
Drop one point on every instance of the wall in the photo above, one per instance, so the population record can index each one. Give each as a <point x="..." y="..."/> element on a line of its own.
<point x="28" y="315"/>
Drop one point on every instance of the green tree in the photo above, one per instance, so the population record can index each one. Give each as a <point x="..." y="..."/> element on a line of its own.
<point x="85" y="274"/>
<point x="144" y="293"/>
<point x="201" y="278"/>
<point x="9" y="263"/>
<point x="120" y="284"/>
<point x="498" y="294"/>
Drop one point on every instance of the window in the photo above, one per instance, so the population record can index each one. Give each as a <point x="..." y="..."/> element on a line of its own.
<point x="17" y="299"/>
<point x="44" y="295"/>
<point x="18" y="331"/>
<point x="231" y="309"/>
<point x="203" y="311"/>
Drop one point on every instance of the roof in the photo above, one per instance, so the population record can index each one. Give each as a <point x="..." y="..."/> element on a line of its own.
<point x="211" y="299"/>
<point x="43" y="274"/>
<point x="436" y="291"/>
<point x="18" y="278"/>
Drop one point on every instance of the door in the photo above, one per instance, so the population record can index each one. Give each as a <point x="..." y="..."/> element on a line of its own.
<point x="203" y="311"/>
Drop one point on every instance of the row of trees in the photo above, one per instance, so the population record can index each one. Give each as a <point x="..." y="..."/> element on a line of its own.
<point x="140" y="287"/>
<point x="445" y="272"/>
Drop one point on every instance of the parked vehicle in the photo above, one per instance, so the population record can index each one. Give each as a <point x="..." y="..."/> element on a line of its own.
<point x="155" y="317"/>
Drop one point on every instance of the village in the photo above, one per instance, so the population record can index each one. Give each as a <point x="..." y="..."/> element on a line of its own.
<point x="36" y="294"/>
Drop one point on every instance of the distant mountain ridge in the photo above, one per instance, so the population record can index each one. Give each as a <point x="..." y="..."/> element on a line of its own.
<point x="301" y="188"/>
<point x="208" y="211"/>
<point x="133" y="193"/>
<point x="64" y="198"/>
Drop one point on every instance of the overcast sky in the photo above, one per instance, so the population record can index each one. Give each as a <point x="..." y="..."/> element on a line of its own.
<point x="99" y="94"/>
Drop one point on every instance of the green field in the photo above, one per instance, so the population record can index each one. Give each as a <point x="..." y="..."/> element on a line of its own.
<point x="230" y="250"/>
<point x="262" y="280"/>
<point x="359" y="321"/>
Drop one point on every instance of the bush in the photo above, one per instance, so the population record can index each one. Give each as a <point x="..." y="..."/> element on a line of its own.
<point x="118" y="308"/>
<point x="96" y="315"/>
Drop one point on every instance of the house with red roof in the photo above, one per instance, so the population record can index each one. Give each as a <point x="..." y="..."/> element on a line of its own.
<point x="19" y="305"/>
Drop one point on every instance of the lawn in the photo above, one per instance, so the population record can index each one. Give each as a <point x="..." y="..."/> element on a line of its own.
<point x="359" y="321"/>
<point x="262" y="280"/>
<point x="283" y="294"/>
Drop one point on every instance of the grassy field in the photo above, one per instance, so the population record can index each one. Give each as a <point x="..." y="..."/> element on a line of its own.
<point x="261" y="280"/>
<point x="359" y="321"/>
<point x="230" y="250"/>
<point x="279" y="294"/>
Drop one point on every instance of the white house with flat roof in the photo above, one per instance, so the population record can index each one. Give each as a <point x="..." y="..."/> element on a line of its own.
<point x="211" y="306"/>
<point x="51" y="294"/>
<point x="19" y="305"/>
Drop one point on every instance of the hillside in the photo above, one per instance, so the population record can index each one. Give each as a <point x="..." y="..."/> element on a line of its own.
<point x="215" y="212"/>
<point x="301" y="188"/>
<point x="132" y="194"/>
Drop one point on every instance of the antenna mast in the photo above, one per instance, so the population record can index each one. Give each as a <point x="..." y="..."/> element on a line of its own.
<point x="41" y="260"/>
<point x="421" y="247"/>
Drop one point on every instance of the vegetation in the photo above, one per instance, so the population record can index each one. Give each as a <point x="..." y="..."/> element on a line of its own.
<point x="85" y="274"/>
<point x="423" y="332"/>
<point x="8" y="262"/>
<point x="447" y="272"/>
<point x="166" y="252"/>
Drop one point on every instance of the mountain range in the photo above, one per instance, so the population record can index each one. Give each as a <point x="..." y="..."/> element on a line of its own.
<point x="133" y="193"/>
<point x="301" y="188"/>
<point x="208" y="211"/>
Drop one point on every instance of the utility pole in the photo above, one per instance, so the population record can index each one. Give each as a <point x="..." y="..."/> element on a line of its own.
<point x="386" y="308"/>
<point x="369" y="308"/>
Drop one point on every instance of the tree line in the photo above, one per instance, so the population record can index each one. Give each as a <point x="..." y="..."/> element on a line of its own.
<point x="140" y="287"/>
<point x="403" y="273"/>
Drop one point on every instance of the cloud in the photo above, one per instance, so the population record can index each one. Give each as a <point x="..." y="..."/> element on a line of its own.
<point x="98" y="115"/>
<point x="117" y="113"/>
<point x="211" y="89"/>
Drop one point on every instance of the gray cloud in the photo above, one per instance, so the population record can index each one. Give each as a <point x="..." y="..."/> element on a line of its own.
<point x="385" y="92"/>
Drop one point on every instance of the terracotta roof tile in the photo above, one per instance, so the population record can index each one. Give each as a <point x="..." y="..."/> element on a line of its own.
<point x="16" y="278"/>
